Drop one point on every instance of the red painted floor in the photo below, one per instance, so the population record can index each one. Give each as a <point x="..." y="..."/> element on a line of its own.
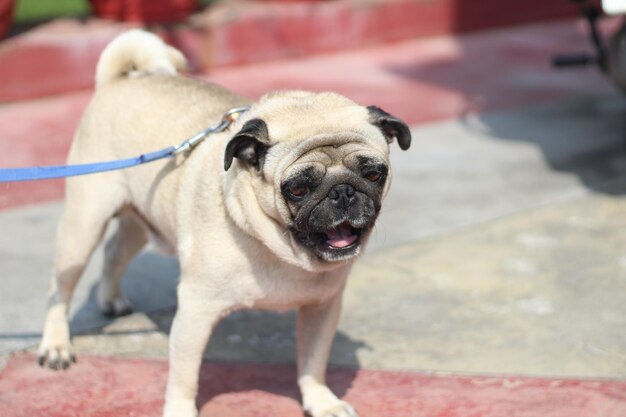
<point x="37" y="133"/>
<point x="103" y="387"/>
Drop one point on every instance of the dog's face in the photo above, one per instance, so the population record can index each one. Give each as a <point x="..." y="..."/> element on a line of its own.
<point x="319" y="165"/>
<point x="334" y="195"/>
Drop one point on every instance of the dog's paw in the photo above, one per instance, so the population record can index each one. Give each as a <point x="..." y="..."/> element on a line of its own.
<point x="110" y="300"/>
<point x="55" y="352"/>
<point x="319" y="401"/>
<point x="110" y="303"/>
<point x="180" y="408"/>
<point x="115" y="307"/>
<point x="339" y="409"/>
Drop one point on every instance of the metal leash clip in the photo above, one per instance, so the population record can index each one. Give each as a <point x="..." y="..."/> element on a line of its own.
<point x="228" y="119"/>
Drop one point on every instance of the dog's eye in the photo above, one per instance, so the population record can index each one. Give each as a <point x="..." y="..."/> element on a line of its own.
<point x="374" y="176"/>
<point x="298" y="191"/>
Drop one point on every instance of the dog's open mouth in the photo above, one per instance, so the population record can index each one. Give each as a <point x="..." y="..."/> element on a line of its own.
<point x="342" y="236"/>
<point x="337" y="243"/>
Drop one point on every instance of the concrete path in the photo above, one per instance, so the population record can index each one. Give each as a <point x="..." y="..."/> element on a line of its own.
<point x="500" y="251"/>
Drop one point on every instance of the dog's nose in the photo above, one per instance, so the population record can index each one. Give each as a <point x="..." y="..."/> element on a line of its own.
<point x="342" y="195"/>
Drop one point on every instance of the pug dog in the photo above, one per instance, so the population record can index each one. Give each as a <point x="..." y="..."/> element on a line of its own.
<point x="269" y="214"/>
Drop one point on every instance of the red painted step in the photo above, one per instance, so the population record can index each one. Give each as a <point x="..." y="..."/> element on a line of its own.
<point x="53" y="58"/>
<point x="60" y="56"/>
<point x="103" y="387"/>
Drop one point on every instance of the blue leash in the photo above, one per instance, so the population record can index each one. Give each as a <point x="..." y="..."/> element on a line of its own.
<point x="61" y="171"/>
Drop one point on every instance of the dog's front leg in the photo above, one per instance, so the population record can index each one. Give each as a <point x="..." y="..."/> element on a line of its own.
<point x="196" y="316"/>
<point x="316" y="328"/>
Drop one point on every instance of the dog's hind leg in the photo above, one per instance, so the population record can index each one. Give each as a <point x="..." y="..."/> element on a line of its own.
<point x="120" y="249"/>
<point x="90" y="204"/>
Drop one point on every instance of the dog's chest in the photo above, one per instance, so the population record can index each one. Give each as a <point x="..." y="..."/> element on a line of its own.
<point x="290" y="289"/>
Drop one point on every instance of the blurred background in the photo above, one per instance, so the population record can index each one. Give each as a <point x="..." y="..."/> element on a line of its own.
<point x="495" y="283"/>
<point x="221" y="33"/>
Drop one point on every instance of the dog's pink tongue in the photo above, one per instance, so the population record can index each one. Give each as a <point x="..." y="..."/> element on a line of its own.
<point x="341" y="236"/>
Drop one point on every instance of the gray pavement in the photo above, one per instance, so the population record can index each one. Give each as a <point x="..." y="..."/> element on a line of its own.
<point x="501" y="249"/>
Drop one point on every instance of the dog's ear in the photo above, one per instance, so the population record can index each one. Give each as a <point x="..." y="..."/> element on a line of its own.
<point x="391" y="126"/>
<point x="249" y="145"/>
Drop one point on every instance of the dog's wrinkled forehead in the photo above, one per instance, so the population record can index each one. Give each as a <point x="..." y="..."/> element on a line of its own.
<point x="337" y="161"/>
<point x="335" y="154"/>
<point x="295" y="115"/>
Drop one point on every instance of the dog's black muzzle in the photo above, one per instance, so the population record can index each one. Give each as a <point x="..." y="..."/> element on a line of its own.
<point x="336" y="225"/>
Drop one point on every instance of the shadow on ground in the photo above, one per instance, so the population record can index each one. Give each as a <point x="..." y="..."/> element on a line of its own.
<point x="585" y="136"/>
<point x="149" y="284"/>
<point x="576" y="118"/>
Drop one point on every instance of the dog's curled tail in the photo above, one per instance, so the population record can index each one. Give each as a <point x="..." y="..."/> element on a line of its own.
<point x="136" y="53"/>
